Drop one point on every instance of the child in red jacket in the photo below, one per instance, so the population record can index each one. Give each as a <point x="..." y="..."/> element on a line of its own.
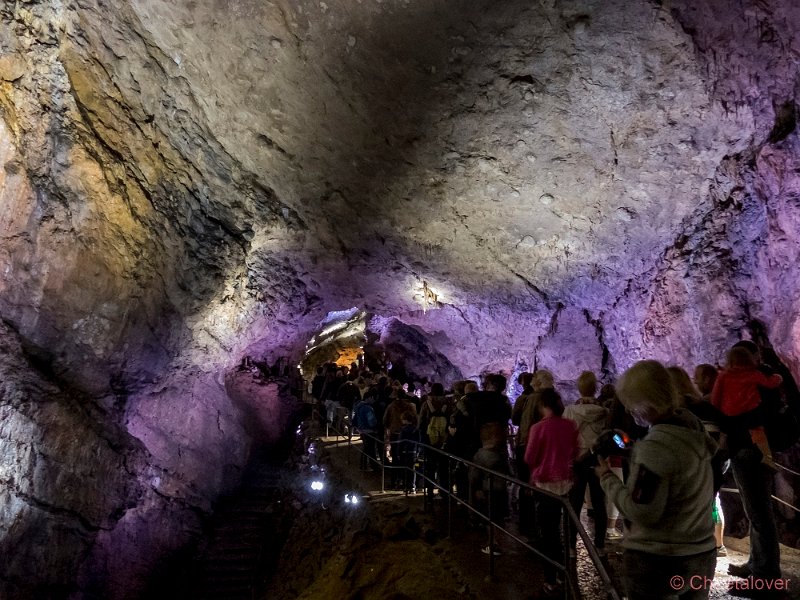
<point x="736" y="391"/>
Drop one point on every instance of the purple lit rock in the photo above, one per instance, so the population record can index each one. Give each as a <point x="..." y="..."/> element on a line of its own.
<point x="572" y="185"/>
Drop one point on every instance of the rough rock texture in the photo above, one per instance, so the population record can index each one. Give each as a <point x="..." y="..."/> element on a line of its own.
<point x="558" y="184"/>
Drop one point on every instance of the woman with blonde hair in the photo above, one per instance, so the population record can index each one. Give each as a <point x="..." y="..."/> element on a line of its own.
<point x="686" y="390"/>
<point x="668" y="496"/>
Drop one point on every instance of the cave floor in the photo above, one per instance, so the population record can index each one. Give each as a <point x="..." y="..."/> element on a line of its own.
<point x="518" y="573"/>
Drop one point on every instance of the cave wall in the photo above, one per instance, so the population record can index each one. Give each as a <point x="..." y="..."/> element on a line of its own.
<point x="733" y="261"/>
<point x="581" y="184"/>
<point x="118" y="433"/>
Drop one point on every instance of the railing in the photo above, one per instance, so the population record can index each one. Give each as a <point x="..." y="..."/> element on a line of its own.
<point x="570" y="519"/>
<point x="773" y="496"/>
<point x="787" y="469"/>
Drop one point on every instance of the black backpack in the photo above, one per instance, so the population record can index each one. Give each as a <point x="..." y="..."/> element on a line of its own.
<point x="780" y="416"/>
<point x="780" y="424"/>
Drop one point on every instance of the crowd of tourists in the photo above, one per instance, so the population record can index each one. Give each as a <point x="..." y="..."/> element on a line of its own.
<point x="650" y="450"/>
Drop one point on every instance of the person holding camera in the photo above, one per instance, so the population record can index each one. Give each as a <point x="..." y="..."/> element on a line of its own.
<point x="667" y="499"/>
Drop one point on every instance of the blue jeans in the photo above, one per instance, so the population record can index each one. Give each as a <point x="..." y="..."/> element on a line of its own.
<point x="755" y="489"/>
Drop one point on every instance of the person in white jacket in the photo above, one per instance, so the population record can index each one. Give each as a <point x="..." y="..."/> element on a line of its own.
<point x="592" y="420"/>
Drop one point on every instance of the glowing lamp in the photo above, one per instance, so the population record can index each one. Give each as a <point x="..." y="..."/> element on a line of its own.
<point x="427" y="296"/>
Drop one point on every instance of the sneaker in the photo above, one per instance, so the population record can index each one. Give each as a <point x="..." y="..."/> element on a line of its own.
<point x="496" y="552"/>
<point x="613" y="534"/>
<point x="742" y="571"/>
<point x="722" y="551"/>
<point x="551" y="589"/>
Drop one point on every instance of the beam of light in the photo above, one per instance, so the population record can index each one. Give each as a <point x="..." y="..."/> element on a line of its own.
<point x="426" y="296"/>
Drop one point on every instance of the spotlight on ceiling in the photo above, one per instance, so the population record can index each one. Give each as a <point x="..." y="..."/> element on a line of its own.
<point x="427" y="296"/>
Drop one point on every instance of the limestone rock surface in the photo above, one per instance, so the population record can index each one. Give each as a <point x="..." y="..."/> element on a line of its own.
<point x="572" y="185"/>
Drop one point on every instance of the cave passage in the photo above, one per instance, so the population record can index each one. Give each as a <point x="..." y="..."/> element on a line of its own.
<point x="201" y="203"/>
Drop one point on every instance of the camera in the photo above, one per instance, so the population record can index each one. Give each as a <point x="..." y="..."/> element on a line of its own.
<point x="611" y="442"/>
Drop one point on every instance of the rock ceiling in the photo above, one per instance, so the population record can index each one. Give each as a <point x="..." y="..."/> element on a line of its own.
<point x="233" y="171"/>
<point x="562" y="184"/>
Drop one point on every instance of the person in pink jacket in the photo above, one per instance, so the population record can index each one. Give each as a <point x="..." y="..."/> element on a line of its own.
<point x="550" y="453"/>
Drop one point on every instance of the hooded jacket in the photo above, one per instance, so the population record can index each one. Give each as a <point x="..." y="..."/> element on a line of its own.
<point x="591" y="419"/>
<point x="668" y="497"/>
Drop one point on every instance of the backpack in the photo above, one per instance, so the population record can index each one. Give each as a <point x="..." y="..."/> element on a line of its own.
<point x="780" y="415"/>
<point x="781" y="425"/>
<point x="365" y="417"/>
<point x="437" y="426"/>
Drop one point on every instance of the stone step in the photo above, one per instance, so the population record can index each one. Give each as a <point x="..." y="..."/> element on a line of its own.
<point x="241" y="531"/>
<point x="227" y="559"/>
<point x="246" y="513"/>
<point x="249" y="527"/>
<point x="213" y="581"/>
<point x="232" y="548"/>
<point x="231" y="541"/>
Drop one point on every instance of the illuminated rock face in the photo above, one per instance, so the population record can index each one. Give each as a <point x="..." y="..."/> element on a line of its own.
<point x="562" y="184"/>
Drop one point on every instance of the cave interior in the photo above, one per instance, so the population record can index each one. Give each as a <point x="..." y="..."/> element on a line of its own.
<point x="460" y="186"/>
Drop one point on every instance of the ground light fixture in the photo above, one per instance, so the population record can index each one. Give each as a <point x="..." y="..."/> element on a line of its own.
<point x="352" y="499"/>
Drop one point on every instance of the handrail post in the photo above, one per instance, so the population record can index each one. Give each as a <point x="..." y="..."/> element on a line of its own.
<point x="565" y="525"/>
<point x="491" y="526"/>
<point x="470" y="491"/>
<point x="349" y="442"/>
<point x="425" y="500"/>
<point x="450" y="498"/>
<point x="382" y="445"/>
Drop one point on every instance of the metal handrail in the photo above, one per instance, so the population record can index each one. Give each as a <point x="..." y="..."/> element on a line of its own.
<point x="570" y="517"/>
<point x="569" y="513"/>
<point x="773" y="496"/>
<point x="785" y="468"/>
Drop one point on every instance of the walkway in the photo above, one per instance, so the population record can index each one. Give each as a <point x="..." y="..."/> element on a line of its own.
<point x="518" y="572"/>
